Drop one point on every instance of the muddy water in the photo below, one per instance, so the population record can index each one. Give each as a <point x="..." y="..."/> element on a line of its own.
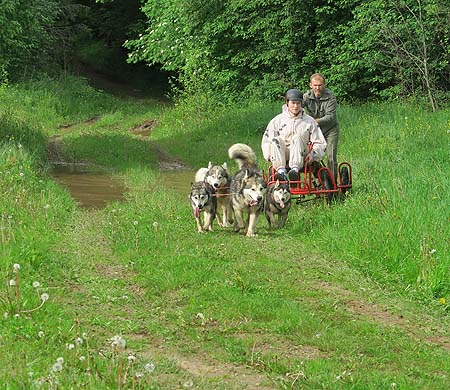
<point x="91" y="190"/>
<point x="179" y="180"/>
<point x="94" y="190"/>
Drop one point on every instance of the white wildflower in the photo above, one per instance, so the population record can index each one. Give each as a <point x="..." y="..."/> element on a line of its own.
<point x="131" y="358"/>
<point x="200" y="316"/>
<point x="41" y="334"/>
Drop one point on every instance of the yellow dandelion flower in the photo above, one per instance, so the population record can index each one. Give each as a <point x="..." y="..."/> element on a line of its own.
<point x="442" y="301"/>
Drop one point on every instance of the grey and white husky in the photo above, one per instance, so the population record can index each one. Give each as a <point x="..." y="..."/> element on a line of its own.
<point x="277" y="204"/>
<point x="219" y="178"/>
<point x="202" y="200"/>
<point x="248" y="188"/>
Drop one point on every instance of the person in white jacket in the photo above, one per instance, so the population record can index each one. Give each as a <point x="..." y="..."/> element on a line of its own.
<point x="286" y="141"/>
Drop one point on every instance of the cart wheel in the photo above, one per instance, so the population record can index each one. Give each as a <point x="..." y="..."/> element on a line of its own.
<point x="327" y="184"/>
<point x="345" y="178"/>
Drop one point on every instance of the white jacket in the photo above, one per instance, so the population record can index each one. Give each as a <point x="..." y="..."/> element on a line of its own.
<point x="286" y="127"/>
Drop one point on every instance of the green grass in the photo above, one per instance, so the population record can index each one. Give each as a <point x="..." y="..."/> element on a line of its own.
<point x="346" y="296"/>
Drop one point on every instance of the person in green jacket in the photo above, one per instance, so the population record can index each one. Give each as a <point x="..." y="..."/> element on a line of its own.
<point x="321" y="104"/>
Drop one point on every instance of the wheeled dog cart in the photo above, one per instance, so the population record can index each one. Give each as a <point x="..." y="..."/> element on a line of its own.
<point x="320" y="183"/>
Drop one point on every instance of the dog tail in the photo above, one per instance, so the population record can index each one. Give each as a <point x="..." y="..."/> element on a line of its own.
<point x="243" y="155"/>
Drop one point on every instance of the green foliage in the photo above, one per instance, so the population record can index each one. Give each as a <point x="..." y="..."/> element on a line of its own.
<point x="25" y="33"/>
<point x="242" y="48"/>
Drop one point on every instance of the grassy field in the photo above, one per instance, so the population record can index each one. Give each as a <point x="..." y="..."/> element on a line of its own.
<point x="352" y="295"/>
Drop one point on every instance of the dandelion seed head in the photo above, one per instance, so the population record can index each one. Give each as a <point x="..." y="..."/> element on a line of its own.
<point x="44" y="297"/>
<point x="36" y="284"/>
<point x="57" y="367"/>
<point x="135" y="223"/>
<point x="5" y="314"/>
<point x="17" y="316"/>
<point x="433" y="251"/>
<point x="149" y="368"/>
<point x="82" y="358"/>
<point x="188" y="384"/>
<point x="47" y="206"/>
<point x="118" y="341"/>
<point x="79" y="341"/>
<point x="131" y="358"/>
<point x="16" y="267"/>
<point x="41" y="334"/>
<point x="12" y="282"/>
<point x="138" y="375"/>
<point x="70" y="346"/>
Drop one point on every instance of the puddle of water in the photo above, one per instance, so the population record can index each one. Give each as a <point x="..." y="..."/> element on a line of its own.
<point x="92" y="190"/>
<point x="179" y="180"/>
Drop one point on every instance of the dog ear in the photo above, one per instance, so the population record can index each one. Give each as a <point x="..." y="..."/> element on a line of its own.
<point x="210" y="164"/>
<point x="277" y="184"/>
<point x="225" y="166"/>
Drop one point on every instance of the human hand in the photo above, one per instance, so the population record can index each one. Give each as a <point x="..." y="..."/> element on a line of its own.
<point x="311" y="156"/>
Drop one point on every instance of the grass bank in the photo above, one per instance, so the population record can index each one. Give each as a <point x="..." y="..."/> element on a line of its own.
<point x="352" y="295"/>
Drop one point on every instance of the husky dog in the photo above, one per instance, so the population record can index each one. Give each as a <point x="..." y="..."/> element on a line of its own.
<point x="248" y="189"/>
<point x="203" y="201"/>
<point x="277" y="203"/>
<point x="219" y="178"/>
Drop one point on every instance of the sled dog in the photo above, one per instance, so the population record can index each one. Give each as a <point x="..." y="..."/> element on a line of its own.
<point x="219" y="178"/>
<point x="248" y="189"/>
<point x="202" y="200"/>
<point x="277" y="204"/>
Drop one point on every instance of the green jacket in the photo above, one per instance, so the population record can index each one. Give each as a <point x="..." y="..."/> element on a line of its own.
<point x="322" y="109"/>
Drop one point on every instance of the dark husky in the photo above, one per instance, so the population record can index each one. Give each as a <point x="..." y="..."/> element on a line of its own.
<point x="277" y="204"/>
<point x="219" y="178"/>
<point x="203" y="201"/>
<point x="248" y="189"/>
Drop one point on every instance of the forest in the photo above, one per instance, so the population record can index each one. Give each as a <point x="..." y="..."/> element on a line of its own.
<point x="234" y="49"/>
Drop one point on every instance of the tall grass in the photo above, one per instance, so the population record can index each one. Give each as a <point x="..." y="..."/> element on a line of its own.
<point x="394" y="225"/>
<point x="131" y="281"/>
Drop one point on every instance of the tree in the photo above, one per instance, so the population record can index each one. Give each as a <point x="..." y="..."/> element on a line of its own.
<point x="24" y="33"/>
<point x="396" y="48"/>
